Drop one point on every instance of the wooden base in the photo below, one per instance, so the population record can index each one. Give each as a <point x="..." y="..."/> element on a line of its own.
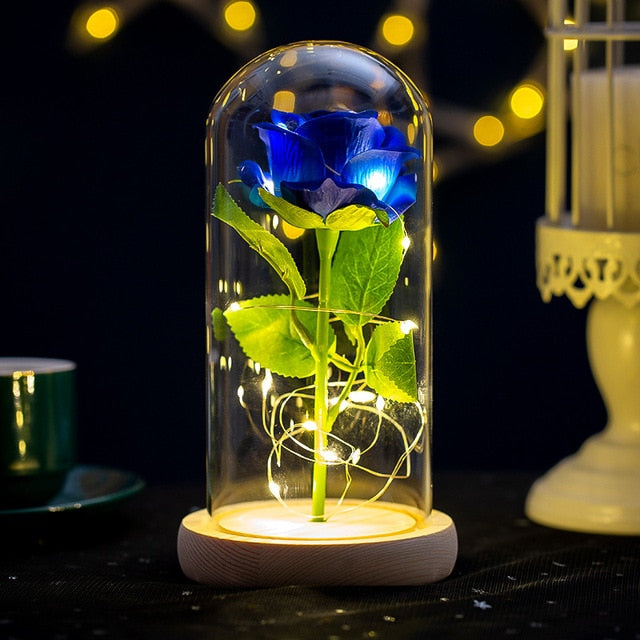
<point x="260" y="544"/>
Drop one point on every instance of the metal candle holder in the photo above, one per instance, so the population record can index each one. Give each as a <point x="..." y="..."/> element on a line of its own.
<point x="590" y="252"/>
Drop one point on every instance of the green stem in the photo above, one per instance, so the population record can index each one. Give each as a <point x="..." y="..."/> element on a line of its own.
<point x="327" y="240"/>
<point x="353" y="375"/>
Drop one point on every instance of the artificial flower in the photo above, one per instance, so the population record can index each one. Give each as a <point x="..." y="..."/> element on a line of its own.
<point x="325" y="161"/>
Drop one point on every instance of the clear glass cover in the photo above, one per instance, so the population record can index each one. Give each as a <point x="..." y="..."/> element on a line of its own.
<point x="319" y="161"/>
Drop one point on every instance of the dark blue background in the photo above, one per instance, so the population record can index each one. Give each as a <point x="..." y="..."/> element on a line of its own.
<point x="102" y="234"/>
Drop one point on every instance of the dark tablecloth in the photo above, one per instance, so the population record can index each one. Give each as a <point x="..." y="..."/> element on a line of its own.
<point x="115" y="574"/>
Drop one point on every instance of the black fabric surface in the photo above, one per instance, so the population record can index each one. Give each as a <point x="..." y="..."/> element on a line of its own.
<point x="115" y="574"/>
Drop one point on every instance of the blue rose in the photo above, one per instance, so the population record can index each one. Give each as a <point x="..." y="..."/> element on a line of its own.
<point x="325" y="161"/>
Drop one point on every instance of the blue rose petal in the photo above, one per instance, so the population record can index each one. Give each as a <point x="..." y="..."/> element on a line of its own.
<point x="323" y="161"/>
<point x="340" y="136"/>
<point x="321" y="198"/>
<point x="376" y="169"/>
<point x="394" y="141"/>
<point x="367" y="198"/>
<point x="292" y="158"/>
<point x="288" y="120"/>
<point x="403" y="193"/>
<point x="251" y="174"/>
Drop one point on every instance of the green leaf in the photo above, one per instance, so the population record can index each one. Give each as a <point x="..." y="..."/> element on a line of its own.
<point x="349" y="218"/>
<point x="383" y="217"/>
<point x="294" y="215"/>
<point x="266" y="334"/>
<point x="390" y="363"/>
<point x="260" y="240"/>
<point x="219" y="324"/>
<point x="365" y="271"/>
<point x="352" y="218"/>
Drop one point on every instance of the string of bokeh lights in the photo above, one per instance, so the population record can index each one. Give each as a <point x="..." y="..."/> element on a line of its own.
<point x="401" y="35"/>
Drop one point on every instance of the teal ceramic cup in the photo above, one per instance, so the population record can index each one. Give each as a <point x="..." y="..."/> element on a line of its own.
<point x="37" y="429"/>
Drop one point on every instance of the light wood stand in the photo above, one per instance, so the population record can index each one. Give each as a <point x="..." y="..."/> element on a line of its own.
<point x="259" y="544"/>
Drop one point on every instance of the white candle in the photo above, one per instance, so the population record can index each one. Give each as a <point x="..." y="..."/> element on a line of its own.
<point x="595" y="157"/>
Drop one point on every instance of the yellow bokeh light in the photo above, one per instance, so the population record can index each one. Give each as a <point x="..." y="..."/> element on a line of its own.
<point x="397" y="30"/>
<point x="289" y="59"/>
<point x="284" y="101"/>
<point x="102" y="23"/>
<point x="411" y="133"/>
<point x="240" y="15"/>
<point x="570" y="44"/>
<point x="526" y="101"/>
<point x="488" y="131"/>
<point x="293" y="233"/>
<point x="384" y="115"/>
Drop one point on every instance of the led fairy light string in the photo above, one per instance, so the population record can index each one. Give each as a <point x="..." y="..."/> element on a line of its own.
<point x="290" y="436"/>
<point x="357" y="418"/>
<point x="350" y="402"/>
<point x="293" y="439"/>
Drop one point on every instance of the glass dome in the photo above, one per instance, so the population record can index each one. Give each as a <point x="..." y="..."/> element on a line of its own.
<point x="319" y="163"/>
